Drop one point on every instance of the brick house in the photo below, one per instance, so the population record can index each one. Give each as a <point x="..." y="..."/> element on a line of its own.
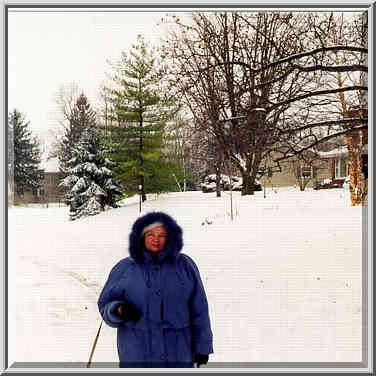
<point x="331" y="165"/>
<point x="49" y="191"/>
<point x="338" y="159"/>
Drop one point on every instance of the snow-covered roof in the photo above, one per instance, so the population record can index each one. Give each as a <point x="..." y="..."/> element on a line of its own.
<point x="50" y="165"/>
<point x="342" y="151"/>
<point x="337" y="152"/>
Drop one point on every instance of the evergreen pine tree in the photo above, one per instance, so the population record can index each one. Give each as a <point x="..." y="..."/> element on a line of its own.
<point x="80" y="118"/>
<point x="90" y="182"/>
<point x="24" y="155"/>
<point x="139" y="116"/>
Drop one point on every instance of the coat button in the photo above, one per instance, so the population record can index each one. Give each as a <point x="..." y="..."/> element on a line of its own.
<point x="162" y="357"/>
<point x="158" y="292"/>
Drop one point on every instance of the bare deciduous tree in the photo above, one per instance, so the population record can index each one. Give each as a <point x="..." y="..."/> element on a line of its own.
<point x="260" y="82"/>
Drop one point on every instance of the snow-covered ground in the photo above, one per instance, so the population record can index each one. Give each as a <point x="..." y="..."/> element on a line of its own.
<point x="283" y="278"/>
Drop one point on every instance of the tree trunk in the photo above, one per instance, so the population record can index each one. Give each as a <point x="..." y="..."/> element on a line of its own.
<point x="358" y="188"/>
<point x="185" y="176"/>
<point x="301" y="183"/>
<point x="249" y="173"/>
<point x="143" y="193"/>
<point x="218" y="181"/>
<point x="248" y="184"/>
<point x="355" y="143"/>
<point x="357" y="191"/>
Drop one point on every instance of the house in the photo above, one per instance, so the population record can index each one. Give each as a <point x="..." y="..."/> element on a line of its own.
<point x="331" y="162"/>
<point x="296" y="172"/>
<point x="50" y="191"/>
<point x="339" y="163"/>
<point x="331" y="165"/>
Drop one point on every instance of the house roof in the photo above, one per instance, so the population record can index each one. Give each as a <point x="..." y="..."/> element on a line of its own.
<point x="341" y="151"/>
<point x="50" y="165"/>
<point x="337" y="152"/>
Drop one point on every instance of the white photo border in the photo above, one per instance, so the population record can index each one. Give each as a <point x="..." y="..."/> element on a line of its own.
<point x="368" y="263"/>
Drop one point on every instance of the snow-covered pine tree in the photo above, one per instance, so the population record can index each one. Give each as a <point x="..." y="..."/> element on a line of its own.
<point x="90" y="181"/>
<point x="24" y="154"/>
<point x="81" y="116"/>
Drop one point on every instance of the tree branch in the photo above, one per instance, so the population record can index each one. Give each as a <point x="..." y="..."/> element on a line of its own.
<point x="320" y="141"/>
<point x="294" y="57"/>
<point x="316" y="93"/>
<point x="337" y="68"/>
<point x="327" y="124"/>
<point x="315" y="51"/>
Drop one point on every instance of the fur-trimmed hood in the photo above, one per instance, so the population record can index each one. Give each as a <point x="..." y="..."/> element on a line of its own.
<point x="174" y="240"/>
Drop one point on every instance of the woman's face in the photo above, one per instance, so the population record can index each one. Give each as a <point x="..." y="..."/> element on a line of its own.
<point x="155" y="239"/>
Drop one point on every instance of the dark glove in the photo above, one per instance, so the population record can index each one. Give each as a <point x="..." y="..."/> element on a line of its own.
<point x="200" y="359"/>
<point x="128" y="312"/>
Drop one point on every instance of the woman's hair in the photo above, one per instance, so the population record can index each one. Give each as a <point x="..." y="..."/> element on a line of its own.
<point x="152" y="225"/>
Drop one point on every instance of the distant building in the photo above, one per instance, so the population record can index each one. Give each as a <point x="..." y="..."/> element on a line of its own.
<point x="294" y="169"/>
<point x="331" y="165"/>
<point x="339" y="163"/>
<point x="49" y="192"/>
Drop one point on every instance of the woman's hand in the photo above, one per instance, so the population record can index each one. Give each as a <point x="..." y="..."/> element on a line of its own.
<point x="200" y="359"/>
<point x="128" y="312"/>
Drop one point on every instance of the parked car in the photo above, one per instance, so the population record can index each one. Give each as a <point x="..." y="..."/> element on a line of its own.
<point x="238" y="185"/>
<point x="209" y="183"/>
<point x="326" y="184"/>
<point x="208" y="187"/>
<point x="235" y="179"/>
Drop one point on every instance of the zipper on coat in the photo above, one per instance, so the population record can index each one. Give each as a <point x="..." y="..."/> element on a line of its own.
<point x="162" y="310"/>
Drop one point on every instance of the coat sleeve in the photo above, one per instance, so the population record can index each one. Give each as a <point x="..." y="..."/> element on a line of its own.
<point x="202" y="336"/>
<point x="112" y="295"/>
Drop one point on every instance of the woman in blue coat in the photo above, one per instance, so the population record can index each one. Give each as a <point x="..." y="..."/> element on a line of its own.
<point x="156" y="300"/>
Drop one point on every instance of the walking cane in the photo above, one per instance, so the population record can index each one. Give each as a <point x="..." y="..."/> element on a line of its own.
<point x="94" y="345"/>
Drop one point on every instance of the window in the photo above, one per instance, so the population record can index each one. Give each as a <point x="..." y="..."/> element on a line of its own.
<point x="340" y="168"/>
<point x="38" y="192"/>
<point x="306" y="172"/>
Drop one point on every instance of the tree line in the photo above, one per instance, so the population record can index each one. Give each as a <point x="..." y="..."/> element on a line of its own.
<point x="105" y="156"/>
<point x="223" y="89"/>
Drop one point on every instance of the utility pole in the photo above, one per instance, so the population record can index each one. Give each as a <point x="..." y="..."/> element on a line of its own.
<point x="230" y="175"/>
<point x="140" y="194"/>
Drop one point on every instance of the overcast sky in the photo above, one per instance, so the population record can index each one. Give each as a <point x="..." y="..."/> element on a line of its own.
<point x="47" y="50"/>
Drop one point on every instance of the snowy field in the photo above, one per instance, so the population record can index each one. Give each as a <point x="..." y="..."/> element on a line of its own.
<point x="283" y="278"/>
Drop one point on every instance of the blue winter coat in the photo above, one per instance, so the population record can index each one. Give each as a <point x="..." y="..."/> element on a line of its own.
<point x="174" y="321"/>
